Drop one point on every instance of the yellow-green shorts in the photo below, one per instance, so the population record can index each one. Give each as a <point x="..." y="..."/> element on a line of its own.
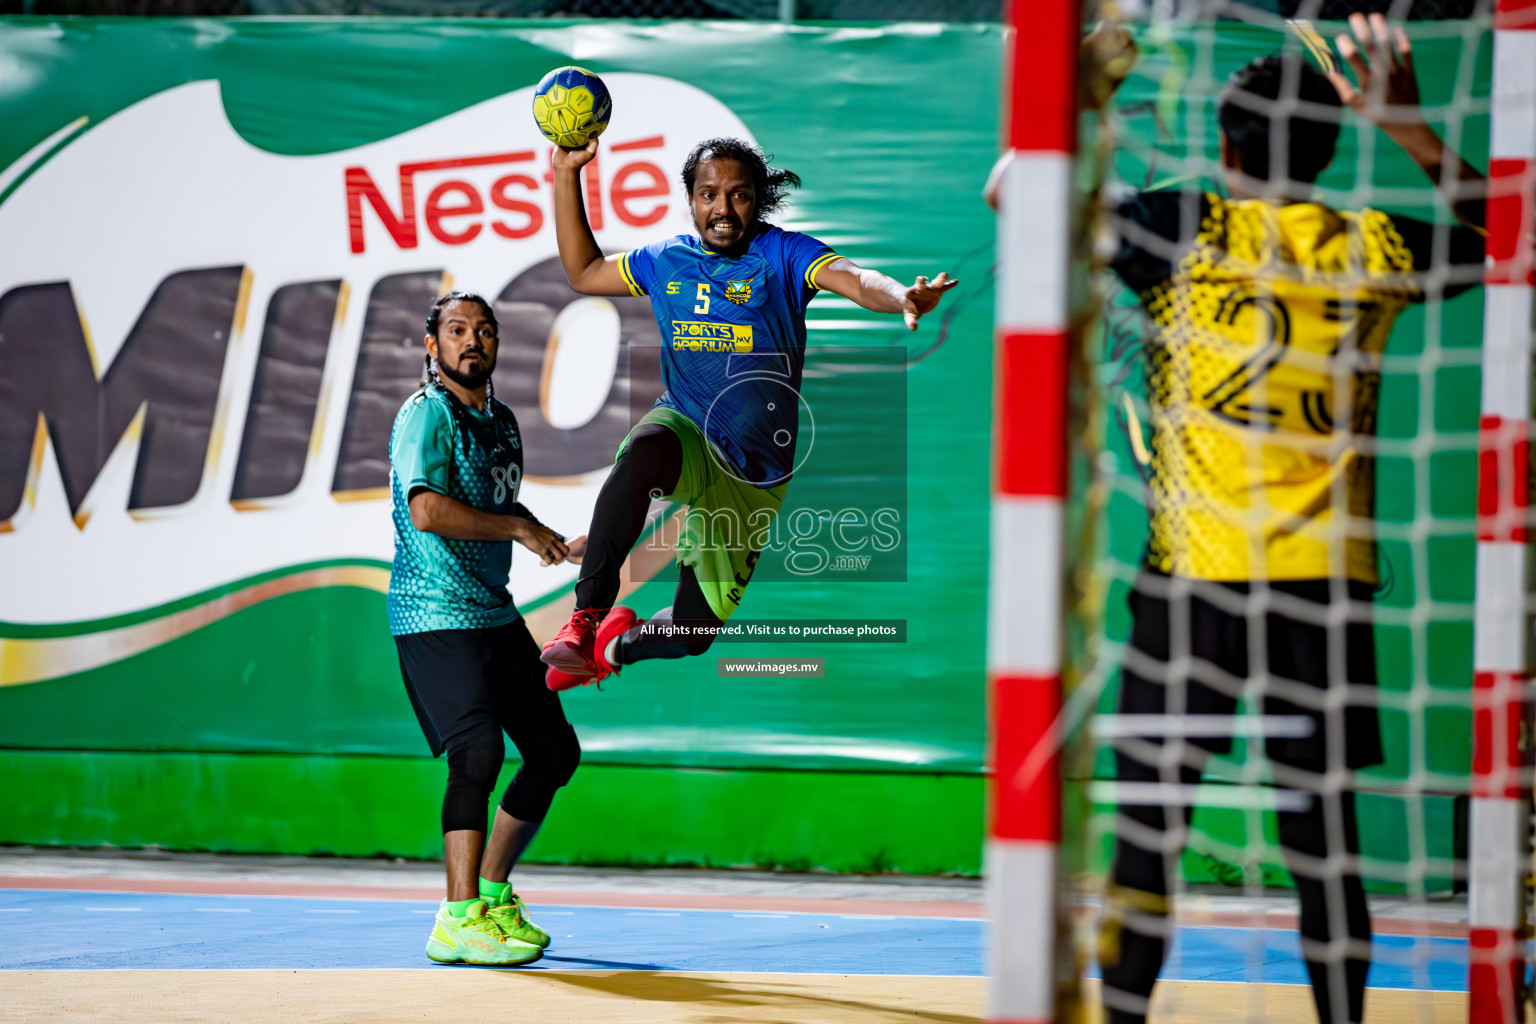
<point x="727" y="520"/>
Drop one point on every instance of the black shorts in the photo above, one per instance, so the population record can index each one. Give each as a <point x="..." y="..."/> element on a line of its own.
<point x="457" y="678"/>
<point x="1216" y="637"/>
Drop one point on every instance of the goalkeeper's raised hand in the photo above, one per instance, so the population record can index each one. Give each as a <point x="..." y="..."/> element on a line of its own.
<point x="1385" y="92"/>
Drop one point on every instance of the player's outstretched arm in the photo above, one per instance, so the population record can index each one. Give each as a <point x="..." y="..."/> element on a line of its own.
<point x="874" y="291"/>
<point x="1387" y="95"/>
<point x="432" y="512"/>
<point x="585" y="267"/>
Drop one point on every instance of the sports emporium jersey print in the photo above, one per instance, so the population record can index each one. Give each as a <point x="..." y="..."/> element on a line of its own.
<point x="472" y="456"/>
<point x="1264" y="373"/>
<point x="733" y="340"/>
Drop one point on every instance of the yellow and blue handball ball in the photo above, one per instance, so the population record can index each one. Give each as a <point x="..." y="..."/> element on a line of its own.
<point x="571" y="105"/>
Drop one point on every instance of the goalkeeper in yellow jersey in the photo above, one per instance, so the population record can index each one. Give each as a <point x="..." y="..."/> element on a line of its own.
<point x="1269" y="313"/>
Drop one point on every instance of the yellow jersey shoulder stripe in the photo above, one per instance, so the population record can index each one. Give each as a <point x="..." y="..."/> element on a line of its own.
<point x="628" y="275"/>
<point x="815" y="268"/>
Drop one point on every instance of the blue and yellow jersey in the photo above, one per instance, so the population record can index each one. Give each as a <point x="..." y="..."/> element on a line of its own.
<point x="733" y="340"/>
<point x="472" y="456"/>
<point x="1264" y="370"/>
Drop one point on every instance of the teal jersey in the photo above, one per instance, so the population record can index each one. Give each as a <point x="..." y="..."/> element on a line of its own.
<point x="439" y="444"/>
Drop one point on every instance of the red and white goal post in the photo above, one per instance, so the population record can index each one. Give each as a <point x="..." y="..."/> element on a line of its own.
<point x="1499" y="865"/>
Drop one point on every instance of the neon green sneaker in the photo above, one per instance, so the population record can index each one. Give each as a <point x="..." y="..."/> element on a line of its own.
<point x="477" y="939"/>
<point x="512" y="915"/>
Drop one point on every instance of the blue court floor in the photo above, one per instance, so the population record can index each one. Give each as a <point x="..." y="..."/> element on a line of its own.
<point x="74" y="930"/>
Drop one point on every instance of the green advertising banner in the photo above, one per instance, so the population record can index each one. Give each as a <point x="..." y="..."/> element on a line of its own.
<point x="222" y="237"/>
<point x="217" y="243"/>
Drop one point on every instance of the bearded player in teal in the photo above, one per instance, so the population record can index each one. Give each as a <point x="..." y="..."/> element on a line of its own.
<point x="470" y="666"/>
<point x="730" y="302"/>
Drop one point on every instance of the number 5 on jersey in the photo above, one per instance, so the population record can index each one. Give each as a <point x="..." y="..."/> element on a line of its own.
<point x="702" y="306"/>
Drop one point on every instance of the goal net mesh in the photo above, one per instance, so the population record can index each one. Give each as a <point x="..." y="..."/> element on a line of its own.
<point x="1275" y="498"/>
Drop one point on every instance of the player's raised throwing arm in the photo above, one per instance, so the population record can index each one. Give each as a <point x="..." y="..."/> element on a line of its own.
<point x="585" y="267"/>
<point x="874" y="291"/>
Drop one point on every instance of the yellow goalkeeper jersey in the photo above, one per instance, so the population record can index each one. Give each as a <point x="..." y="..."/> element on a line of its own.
<point x="1264" y="374"/>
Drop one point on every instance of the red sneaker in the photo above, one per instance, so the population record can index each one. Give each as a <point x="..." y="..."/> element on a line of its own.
<point x="557" y="680"/>
<point x="571" y="649"/>
<point x="614" y="624"/>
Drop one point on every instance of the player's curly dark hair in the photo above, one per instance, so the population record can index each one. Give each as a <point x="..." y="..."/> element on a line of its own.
<point x="1247" y="121"/>
<point x="772" y="184"/>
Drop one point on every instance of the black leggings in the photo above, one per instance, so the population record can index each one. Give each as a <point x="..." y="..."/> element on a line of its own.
<point x="649" y="468"/>
<point x="468" y="686"/>
<point x="1134" y="938"/>
<point x="1302" y="650"/>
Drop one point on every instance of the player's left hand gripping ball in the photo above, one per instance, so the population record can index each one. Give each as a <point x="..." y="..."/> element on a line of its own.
<point x="570" y="106"/>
